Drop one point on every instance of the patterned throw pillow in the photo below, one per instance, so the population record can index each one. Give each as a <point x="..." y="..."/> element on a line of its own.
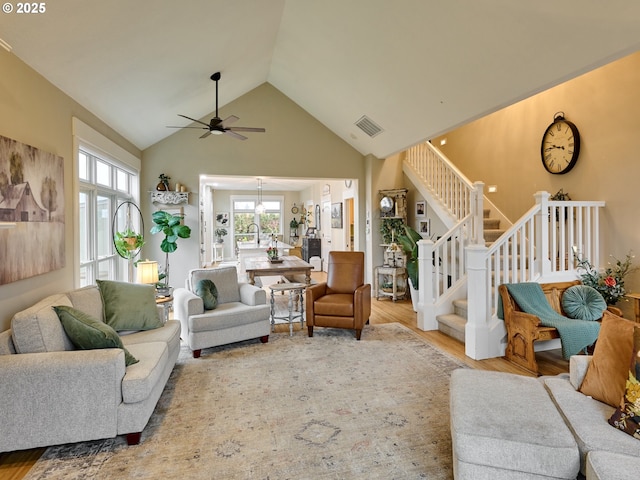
<point x="627" y="415"/>
<point x="208" y="291"/>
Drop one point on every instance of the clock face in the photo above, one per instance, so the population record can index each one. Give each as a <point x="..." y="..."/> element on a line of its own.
<point x="560" y="146"/>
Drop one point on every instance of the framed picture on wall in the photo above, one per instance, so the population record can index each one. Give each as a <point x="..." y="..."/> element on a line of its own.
<point x="424" y="228"/>
<point x="336" y="215"/>
<point x="222" y="219"/>
<point x="421" y="209"/>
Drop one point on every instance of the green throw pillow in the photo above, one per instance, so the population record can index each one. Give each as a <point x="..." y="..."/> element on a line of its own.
<point x="583" y="302"/>
<point x="208" y="291"/>
<point x="129" y="306"/>
<point x="87" y="333"/>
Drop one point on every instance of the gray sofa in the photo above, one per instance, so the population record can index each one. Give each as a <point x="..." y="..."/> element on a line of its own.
<point x="506" y="426"/>
<point x="51" y="393"/>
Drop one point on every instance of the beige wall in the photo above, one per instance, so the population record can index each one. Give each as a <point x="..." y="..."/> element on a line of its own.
<point x="35" y="112"/>
<point x="295" y="145"/>
<point x="503" y="149"/>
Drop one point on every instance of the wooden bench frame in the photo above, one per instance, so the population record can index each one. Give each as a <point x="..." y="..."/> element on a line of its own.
<point x="523" y="329"/>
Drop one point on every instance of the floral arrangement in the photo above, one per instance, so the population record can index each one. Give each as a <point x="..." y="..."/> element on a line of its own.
<point x="272" y="252"/>
<point x="610" y="281"/>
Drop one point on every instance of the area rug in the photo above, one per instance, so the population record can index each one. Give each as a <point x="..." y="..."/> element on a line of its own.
<point x="327" y="407"/>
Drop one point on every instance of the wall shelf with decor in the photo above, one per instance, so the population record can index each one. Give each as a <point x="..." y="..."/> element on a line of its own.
<point x="393" y="214"/>
<point x="169" y="197"/>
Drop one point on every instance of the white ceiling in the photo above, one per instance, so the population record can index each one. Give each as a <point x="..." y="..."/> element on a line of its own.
<point x="418" y="68"/>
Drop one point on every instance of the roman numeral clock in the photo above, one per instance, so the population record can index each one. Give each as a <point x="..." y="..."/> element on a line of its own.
<point x="560" y="145"/>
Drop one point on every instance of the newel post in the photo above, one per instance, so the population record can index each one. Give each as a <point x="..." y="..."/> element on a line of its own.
<point x="478" y="313"/>
<point x="542" y="262"/>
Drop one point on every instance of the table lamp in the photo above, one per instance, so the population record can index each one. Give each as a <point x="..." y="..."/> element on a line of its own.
<point x="148" y="272"/>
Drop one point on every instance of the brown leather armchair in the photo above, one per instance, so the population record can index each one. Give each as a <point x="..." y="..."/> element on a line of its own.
<point x="344" y="300"/>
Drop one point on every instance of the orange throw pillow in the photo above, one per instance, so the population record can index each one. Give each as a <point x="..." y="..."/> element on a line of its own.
<point x="608" y="371"/>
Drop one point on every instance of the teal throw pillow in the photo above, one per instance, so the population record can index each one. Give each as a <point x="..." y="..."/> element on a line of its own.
<point x="583" y="302"/>
<point x="208" y="291"/>
<point x="129" y="306"/>
<point x="87" y="333"/>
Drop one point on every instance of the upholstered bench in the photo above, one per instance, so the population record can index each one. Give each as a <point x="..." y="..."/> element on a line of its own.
<point x="505" y="426"/>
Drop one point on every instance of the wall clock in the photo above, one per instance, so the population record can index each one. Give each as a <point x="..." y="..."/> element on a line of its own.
<point x="560" y="145"/>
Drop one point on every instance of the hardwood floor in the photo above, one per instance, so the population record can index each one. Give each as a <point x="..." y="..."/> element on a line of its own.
<point x="15" y="465"/>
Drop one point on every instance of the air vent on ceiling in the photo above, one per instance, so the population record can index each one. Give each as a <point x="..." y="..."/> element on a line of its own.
<point x="368" y="126"/>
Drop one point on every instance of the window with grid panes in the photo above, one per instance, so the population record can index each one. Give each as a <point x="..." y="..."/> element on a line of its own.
<point x="103" y="185"/>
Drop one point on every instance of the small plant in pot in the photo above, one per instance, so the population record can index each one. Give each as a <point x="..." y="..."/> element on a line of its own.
<point x="128" y="243"/>
<point x="220" y="232"/>
<point x="171" y="226"/>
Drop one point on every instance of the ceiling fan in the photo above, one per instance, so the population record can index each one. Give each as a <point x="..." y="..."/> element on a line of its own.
<point x="218" y="126"/>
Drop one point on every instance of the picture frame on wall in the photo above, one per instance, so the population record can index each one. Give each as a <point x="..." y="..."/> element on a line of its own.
<point x="336" y="215"/>
<point x="222" y="219"/>
<point x="424" y="228"/>
<point x="421" y="209"/>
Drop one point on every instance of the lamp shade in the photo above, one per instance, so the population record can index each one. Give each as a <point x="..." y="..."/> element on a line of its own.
<point x="148" y="272"/>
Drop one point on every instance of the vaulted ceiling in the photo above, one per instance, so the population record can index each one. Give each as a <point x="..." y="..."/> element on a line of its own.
<point x="416" y="68"/>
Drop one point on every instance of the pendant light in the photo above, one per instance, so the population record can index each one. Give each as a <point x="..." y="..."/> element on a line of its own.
<point x="260" y="206"/>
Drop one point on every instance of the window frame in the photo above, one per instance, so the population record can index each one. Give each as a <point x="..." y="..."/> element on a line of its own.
<point x="253" y="200"/>
<point x="121" y="161"/>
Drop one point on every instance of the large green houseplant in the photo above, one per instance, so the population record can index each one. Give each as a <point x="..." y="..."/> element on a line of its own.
<point x="173" y="229"/>
<point x="409" y="243"/>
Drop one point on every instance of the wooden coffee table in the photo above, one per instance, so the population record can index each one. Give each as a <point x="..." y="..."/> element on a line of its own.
<point x="261" y="266"/>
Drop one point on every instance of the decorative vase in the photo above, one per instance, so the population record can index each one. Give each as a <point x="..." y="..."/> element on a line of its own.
<point x="161" y="187"/>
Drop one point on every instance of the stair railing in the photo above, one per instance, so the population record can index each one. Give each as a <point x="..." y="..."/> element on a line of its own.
<point x="445" y="182"/>
<point x="540" y="246"/>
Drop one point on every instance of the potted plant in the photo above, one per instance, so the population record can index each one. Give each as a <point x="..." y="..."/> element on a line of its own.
<point x="171" y="225"/>
<point x="409" y="242"/>
<point x="220" y="232"/>
<point x="128" y="243"/>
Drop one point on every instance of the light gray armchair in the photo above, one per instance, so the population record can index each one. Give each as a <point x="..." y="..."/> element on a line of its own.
<point x="242" y="312"/>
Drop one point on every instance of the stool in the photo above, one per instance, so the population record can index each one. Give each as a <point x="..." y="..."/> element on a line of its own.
<point x="296" y="297"/>
<point x="505" y="426"/>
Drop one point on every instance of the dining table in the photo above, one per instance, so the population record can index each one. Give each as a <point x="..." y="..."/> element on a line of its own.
<point x="285" y="266"/>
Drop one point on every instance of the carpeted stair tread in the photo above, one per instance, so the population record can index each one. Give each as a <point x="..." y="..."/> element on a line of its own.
<point x="453" y="325"/>
<point x="491" y="223"/>
<point x="491" y="235"/>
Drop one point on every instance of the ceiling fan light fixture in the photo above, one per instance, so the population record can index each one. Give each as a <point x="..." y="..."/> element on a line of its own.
<point x="216" y="132"/>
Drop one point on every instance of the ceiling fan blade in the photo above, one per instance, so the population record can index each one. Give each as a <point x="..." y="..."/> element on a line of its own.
<point x="174" y="126"/>
<point x="193" y="120"/>
<point x="229" y="120"/>
<point x="235" y="135"/>
<point x="205" y="134"/>
<point x="247" y="129"/>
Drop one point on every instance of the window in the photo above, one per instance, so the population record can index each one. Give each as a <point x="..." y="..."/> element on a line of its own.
<point x="103" y="185"/>
<point x="246" y="220"/>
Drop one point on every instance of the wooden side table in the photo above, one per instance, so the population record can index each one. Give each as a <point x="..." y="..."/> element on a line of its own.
<point x="636" y="304"/>
<point x="397" y="274"/>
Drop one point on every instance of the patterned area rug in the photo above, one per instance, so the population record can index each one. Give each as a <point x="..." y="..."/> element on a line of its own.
<point x="327" y="407"/>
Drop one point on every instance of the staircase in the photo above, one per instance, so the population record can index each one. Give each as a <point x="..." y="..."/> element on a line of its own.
<point x="453" y="324"/>
<point x="479" y="251"/>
